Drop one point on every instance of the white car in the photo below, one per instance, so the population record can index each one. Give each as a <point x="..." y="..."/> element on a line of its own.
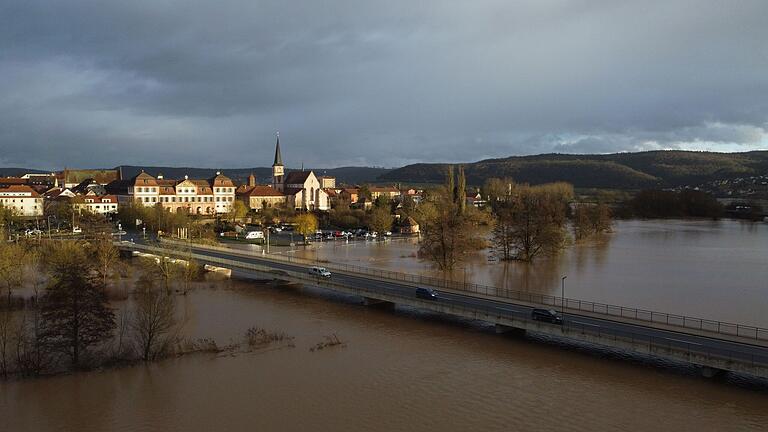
<point x="319" y="271"/>
<point x="77" y="230"/>
<point x="254" y="235"/>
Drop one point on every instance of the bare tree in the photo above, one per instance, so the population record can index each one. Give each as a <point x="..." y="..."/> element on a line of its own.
<point x="12" y="267"/>
<point x="106" y="257"/>
<point x="6" y="323"/>
<point x="75" y="314"/>
<point x="448" y="234"/>
<point x="155" y="327"/>
<point x="162" y="268"/>
<point x="591" y="219"/>
<point x="532" y="221"/>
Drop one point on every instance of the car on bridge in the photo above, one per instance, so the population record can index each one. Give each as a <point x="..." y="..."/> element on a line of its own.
<point x="546" y="315"/>
<point x="426" y="293"/>
<point x="319" y="271"/>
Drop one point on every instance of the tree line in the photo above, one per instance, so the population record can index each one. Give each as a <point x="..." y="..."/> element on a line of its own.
<point x="69" y="322"/>
<point x="519" y="222"/>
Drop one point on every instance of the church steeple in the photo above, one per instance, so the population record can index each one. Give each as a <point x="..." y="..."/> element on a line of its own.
<point x="277" y="168"/>
<point x="278" y="156"/>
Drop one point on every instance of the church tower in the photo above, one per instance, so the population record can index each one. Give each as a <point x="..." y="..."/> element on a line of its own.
<point x="277" y="167"/>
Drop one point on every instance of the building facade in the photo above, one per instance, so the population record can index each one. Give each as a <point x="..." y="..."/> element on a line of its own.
<point x="301" y="190"/>
<point x="24" y="200"/>
<point x="204" y="197"/>
<point x="99" y="204"/>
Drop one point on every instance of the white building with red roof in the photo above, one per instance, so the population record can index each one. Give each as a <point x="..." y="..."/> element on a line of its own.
<point x="24" y="200"/>
<point x="302" y="189"/>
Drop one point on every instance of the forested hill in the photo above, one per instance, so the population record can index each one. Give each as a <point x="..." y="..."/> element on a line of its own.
<point x="617" y="171"/>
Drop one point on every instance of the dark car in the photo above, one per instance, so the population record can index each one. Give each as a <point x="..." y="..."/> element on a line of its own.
<point x="426" y="293"/>
<point x="546" y="315"/>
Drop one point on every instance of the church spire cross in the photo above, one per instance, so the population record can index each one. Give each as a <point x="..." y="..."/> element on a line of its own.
<point x="278" y="156"/>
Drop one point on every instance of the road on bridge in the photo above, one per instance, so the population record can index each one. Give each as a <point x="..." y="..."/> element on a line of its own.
<point x="678" y="339"/>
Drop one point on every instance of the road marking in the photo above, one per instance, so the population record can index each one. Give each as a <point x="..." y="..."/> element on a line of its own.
<point x="682" y="341"/>
<point x="586" y="324"/>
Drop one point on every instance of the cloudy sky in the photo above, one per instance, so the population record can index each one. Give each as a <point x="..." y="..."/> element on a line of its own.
<point x="384" y="83"/>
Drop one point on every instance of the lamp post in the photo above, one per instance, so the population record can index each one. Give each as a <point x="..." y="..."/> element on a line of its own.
<point x="562" y="295"/>
<point x="49" y="226"/>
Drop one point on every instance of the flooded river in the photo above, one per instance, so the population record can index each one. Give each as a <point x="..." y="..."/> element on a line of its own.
<point x="405" y="370"/>
<point x="709" y="269"/>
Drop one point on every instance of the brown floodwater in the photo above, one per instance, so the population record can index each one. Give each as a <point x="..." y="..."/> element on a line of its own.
<point x="708" y="269"/>
<point x="401" y="369"/>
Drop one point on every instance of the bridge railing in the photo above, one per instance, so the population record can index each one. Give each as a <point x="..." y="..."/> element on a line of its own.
<point x="702" y="324"/>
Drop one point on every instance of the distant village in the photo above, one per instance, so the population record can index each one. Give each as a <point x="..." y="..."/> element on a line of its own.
<point x="104" y="191"/>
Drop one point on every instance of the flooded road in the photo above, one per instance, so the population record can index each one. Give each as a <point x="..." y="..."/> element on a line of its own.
<point x="710" y="269"/>
<point x="400" y="370"/>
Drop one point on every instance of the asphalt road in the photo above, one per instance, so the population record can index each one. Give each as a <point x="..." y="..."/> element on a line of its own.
<point x="681" y="340"/>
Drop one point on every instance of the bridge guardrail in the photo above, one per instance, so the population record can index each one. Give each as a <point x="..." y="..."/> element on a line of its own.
<point x="658" y="343"/>
<point x="703" y="324"/>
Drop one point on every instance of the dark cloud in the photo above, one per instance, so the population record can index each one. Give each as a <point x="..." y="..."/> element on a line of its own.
<point x="375" y="83"/>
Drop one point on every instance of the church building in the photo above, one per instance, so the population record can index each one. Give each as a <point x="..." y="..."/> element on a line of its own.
<point x="300" y="190"/>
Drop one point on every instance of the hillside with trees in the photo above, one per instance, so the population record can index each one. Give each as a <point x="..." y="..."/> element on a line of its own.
<point x="641" y="170"/>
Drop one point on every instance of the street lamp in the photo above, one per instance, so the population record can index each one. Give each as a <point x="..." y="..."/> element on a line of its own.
<point x="562" y="295"/>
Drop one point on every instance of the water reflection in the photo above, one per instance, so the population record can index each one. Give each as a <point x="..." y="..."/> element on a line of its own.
<point x="711" y="269"/>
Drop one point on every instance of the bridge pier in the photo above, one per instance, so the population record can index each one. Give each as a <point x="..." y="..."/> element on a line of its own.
<point x="711" y="372"/>
<point x="500" y="328"/>
<point x="368" y="301"/>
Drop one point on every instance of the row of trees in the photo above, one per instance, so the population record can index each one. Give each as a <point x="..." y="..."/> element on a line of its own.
<point x="71" y="324"/>
<point x="524" y="221"/>
<point x="156" y="218"/>
<point x="655" y="203"/>
<point x="451" y="231"/>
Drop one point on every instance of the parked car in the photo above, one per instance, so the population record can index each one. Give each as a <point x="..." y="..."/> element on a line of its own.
<point x="546" y="315"/>
<point x="319" y="271"/>
<point x="32" y="232"/>
<point x="77" y="230"/>
<point x="254" y="235"/>
<point x="426" y="293"/>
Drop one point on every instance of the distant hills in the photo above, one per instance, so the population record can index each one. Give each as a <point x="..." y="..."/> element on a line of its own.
<point x="615" y="171"/>
<point x="348" y="175"/>
<point x="611" y="171"/>
<point x="15" y="172"/>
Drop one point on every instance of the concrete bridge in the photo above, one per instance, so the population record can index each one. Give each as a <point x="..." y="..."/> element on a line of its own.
<point x="715" y="347"/>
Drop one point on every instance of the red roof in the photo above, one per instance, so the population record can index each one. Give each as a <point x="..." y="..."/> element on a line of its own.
<point x="260" y="191"/>
<point x="20" y="189"/>
<point x="12" y="181"/>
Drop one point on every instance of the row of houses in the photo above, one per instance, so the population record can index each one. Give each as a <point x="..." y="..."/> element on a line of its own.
<point x="103" y="191"/>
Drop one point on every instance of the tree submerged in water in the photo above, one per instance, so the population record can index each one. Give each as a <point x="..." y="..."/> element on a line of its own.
<point x="75" y="313"/>
<point x="451" y="231"/>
